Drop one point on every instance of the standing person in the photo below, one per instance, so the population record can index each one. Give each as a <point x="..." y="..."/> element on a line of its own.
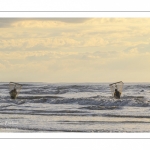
<point x="117" y="94"/>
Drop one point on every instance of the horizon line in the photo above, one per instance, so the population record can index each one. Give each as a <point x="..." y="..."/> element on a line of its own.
<point x="70" y="82"/>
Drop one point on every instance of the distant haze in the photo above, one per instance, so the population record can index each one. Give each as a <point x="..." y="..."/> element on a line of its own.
<point x="75" y="49"/>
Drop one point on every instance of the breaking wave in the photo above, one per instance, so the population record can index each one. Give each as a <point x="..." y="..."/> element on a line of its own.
<point x="81" y="94"/>
<point x="99" y="101"/>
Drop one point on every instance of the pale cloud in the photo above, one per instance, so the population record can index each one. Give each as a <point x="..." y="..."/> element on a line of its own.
<point x="81" y="49"/>
<point x="2" y="67"/>
<point x="28" y="22"/>
<point x="49" y="23"/>
<point x="25" y="44"/>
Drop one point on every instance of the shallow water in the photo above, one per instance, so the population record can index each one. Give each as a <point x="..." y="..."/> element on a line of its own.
<point x="43" y="107"/>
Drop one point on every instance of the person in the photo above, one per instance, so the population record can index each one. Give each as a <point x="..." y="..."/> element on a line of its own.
<point x="117" y="94"/>
<point x="13" y="93"/>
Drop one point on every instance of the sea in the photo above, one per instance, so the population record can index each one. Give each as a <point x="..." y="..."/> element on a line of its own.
<point x="75" y="107"/>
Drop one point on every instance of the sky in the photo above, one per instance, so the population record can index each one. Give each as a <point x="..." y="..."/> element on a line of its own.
<point x="74" y="50"/>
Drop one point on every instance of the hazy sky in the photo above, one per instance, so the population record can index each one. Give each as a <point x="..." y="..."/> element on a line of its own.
<point x="75" y="50"/>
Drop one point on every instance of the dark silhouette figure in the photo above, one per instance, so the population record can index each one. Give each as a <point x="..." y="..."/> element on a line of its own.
<point x="13" y="93"/>
<point x="117" y="94"/>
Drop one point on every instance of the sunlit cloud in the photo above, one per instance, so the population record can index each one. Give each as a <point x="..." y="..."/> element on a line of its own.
<point x="74" y="49"/>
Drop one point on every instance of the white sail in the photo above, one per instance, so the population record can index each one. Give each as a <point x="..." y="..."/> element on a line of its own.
<point x="118" y="86"/>
<point x="14" y="89"/>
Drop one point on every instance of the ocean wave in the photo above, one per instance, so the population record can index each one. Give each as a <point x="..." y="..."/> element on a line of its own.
<point x="127" y="116"/>
<point x="81" y="94"/>
<point x="97" y="102"/>
<point x="63" y="89"/>
<point x="100" y="107"/>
